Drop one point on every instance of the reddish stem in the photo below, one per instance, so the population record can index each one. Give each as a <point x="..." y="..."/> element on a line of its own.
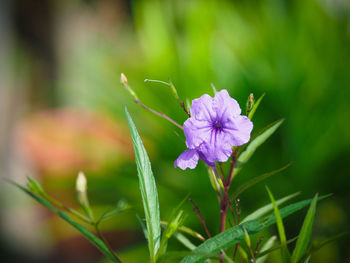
<point x="200" y="217"/>
<point x="158" y="113"/>
<point x="225" y="200"/>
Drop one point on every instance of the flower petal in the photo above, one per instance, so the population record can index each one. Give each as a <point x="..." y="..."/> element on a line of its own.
<point x="196" y="132"/>
<point x="225" y="106"/>
<point x="238" y="129"/>
<point x="188" y="159"/>
<point x="202" y="108"/>
<point x="218" y="148"/>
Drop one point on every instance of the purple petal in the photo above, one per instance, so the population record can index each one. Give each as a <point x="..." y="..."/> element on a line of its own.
<point x="217" y="148"/>
<point x="188" y="159"/>
<point x="204" y="159"/>
<point x="225" y="106"/>
<point x="202" y="108"/>
<point x="196" y="132"/>
<point x="238" y="130"/>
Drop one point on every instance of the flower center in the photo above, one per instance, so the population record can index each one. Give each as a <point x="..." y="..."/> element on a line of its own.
<point x="217" y="125"/>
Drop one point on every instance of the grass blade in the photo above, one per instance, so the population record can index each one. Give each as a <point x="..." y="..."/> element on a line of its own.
<point x="82" y="229"/>
<point x="258" y="140"/>
<point x="256" y="180"/>
<point x="279" y="246"/>
<point x="184" y="241"/>
<point x="305" y="232"/>
<point x="148" y="190"/>
<point x="267" y="208"/>
<point x="235" y="234"/>
<point x="269" y="243"/>
<point x="280" y="227"/>
<point x="255" y="106"/>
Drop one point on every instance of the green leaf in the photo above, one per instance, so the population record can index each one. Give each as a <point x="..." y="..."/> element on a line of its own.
<point x="319" y="245"/>
<point x="256" y="180"/>
<point x="267" y="208"/>
<point x="255" y="106"/>
<point x="121" y="206"/>
<point x="184" y="241"/>
<point x="148" y="190"/>
<point x="175" y="221"/>
<point x="186" y="230"/>
<point x="144" y="228"/>
<point x="269" y="243"/>
<point x="83" y="230"/>
<point x="280" y="227"/>
<point x="305" y="232"/>
<point x="256" y="141"/>
<point x="279" y="246"/>
<point x="235" y="234"/>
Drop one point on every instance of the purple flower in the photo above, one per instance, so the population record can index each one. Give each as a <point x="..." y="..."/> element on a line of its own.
<point x="215" y="126"/>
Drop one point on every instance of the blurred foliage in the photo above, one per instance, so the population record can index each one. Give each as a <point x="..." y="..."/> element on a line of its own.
<point x="295" y="51"/>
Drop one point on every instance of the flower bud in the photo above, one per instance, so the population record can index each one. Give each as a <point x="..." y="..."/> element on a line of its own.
<point x="250" y="103"/>
<point x="81" y="188"/>
<point x="123" y="79"/>
<point x="81" y="183"/>
<point x="124" y="82"/>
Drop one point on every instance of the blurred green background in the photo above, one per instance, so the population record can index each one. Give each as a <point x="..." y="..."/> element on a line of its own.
<point x="62" y="111"/>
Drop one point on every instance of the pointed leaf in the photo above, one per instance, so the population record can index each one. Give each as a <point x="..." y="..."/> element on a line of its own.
<point x="235" y="234"/>
<point x="279" y="246"/>
<point x="184" y="241"/>
<point x="267" y="208"/>
<point x="256" y="141"/>
<point x="256" y="180"/>
<point x="305" y="232"/>
<point x="82" y="229"/>
<point x="148" y="190"/>
<point x="121" y="206"/>
<point x="280" y="227"/>
<point x="269" y="243"/>
<point x="255" y="106"/>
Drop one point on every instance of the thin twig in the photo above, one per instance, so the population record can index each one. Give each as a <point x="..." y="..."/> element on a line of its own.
<point x="257" y="245"/>
<point x="200" y="217"/>
<point x="125" y="83"/>
<point x="158" y="114"/>
<point x="232" y="212"/>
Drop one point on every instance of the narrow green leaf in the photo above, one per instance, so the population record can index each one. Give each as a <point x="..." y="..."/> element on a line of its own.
<point x="186" y="230"/>
<point x="269" y="243"/>
<point x="280" y="227"/>
<point x="144" y="228"/>
<point x="256" y="180"/>
<point x="256" y="141"/>
<point x="184" y="241"/>
<point x="175" y="221"/>
<point x="305" y="232"/>
<point x="148" y="190"/>
<point x="267" y="208"/>
<point x="120" y="207"/>
<point x="255" y="106"/>
<point x="235" y="234"/>
<point x="279" y="246"/>
<point x="83" y="230"/>
<point x="318" y="245"/>
<point x="307" y="260"/>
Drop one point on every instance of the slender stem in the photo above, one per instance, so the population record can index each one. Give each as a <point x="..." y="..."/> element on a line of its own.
<point x="158" y="113"/>
<point x="99" y="234"/>
<point x="200" y="217"/>
<point x="235" y="251"/>
<point x="225" y="200"/>
<point x="125" y="83"/>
